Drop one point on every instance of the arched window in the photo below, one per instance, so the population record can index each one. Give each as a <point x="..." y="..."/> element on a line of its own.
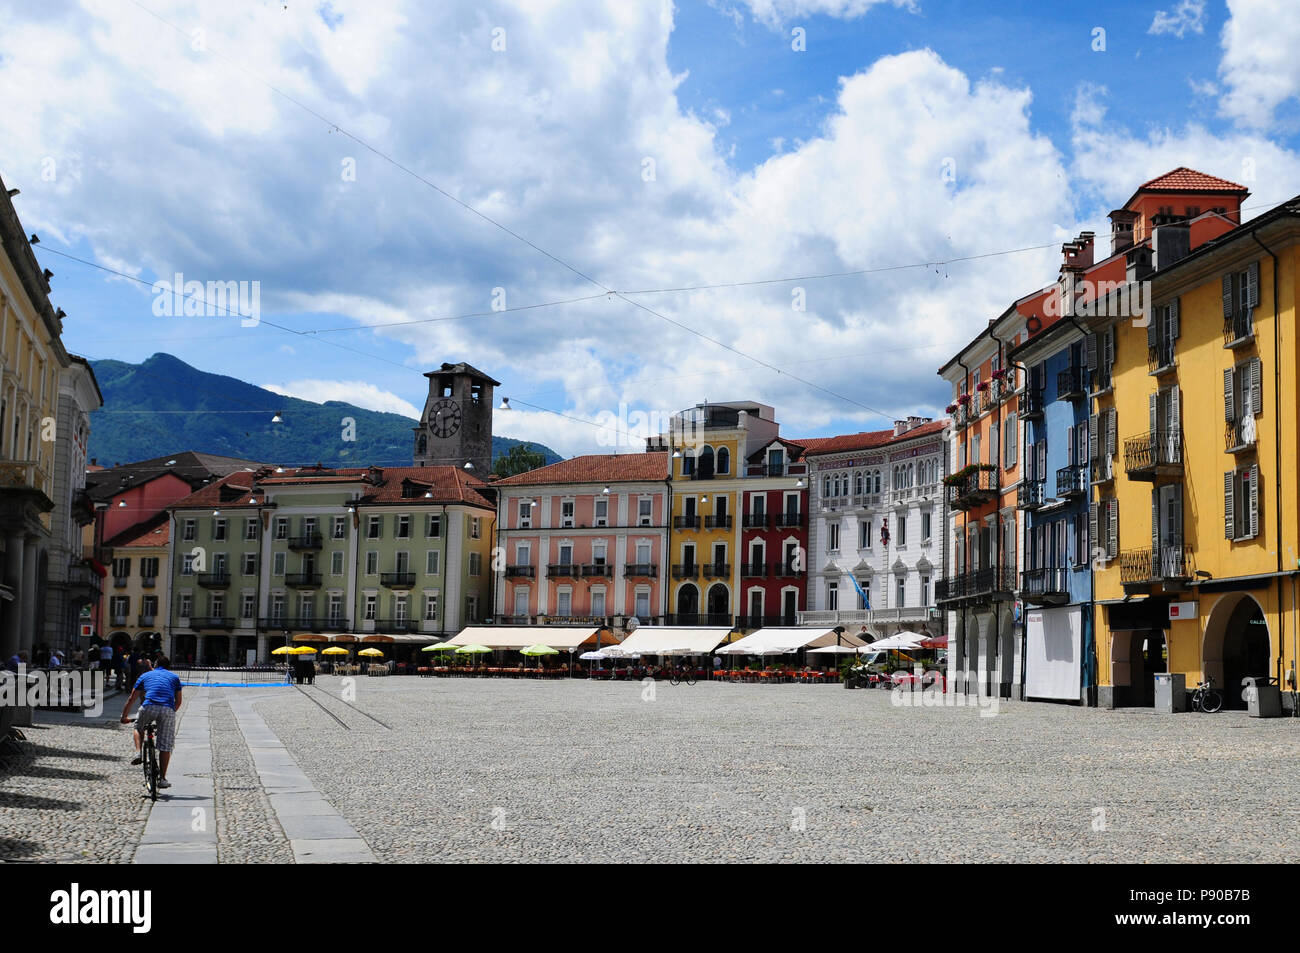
<point x="857" y="483"/>
<point x="724" y="460"/>
<point x="706" y="463"/>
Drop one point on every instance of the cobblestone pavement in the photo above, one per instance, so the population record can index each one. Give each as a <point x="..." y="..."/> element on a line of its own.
<point x="75" y="797"/>
<point x="565" y="771"/>
<point x="466" y="770"/>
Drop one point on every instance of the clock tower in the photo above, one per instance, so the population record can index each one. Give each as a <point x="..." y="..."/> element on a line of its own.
<point x="456" y="426"/>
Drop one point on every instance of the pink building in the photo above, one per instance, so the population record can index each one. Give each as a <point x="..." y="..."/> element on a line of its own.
<point x="584" y="540"/>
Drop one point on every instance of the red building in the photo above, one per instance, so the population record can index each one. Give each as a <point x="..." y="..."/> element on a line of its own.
<point x="773" y="536"/>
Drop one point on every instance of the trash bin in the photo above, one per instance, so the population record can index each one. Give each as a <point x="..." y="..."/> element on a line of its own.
<point x="1171" y="692"/>
<point x="1263" y="699"/>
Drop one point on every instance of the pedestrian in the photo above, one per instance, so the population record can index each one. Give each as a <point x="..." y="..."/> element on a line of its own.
<point x="105" y="658"/>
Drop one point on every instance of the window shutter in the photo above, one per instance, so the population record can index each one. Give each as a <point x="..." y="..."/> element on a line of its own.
<point x="1153" y="326"/>
<point x="1012" y="435"/>
<point x="1176" y="530"/>
<point x="1256" y="386"/>
<point x="1227" y="297"/>
<point x="1254" y="500"/>
<point x="1155" y="524"/>
<point x="1094" y="528"/>
<point x="1092" y="437"/>
<point x="1069" y="446"/>
<point x="1152" y="402"/>
<point x="1229" y="414"/>
<point x="1229" y="510"/>
<point x="1041" y="468"/>
<point x="1090" y="352"/>
<point x="1112" y="432"/>
<point x="1110" y="347"/>
<point x="1085" y="441"/>
<point x="1252" y="284"/>
<point x="1112" y="543"/>
<point x="1173" y="320"/>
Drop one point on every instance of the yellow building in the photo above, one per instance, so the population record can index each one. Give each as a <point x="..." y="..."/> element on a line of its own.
<point x="1203" y="491"/>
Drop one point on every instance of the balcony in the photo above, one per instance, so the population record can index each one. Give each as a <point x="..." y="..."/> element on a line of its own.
<point x="755" y="521"/>
<point x="564" y="570"/>
<point x="1154" y="454"/>
<point x="642" y="570"/>
<point x="686" y="570"/>
<point x="1031" y="404"/>
<point x="1171" y="565"/>
<point x="700" y="618"/>
<point x="520" y="572"/>
<point x="1238" y="330"/>
<point x="396" y="626"/>
<point x="598" y="570"/>
<point x="988" y="399"/>
<point x="277" y="623"/>
<point x="1101" y="380"/>
<point x="397" y="580"/>
<point x="1072" y="482"/>
<point x="25" y="477"/>
<point x="972" y="488"/>
<point x="899" y="614"/>
<point x="790" y="519"/>
<point x="686" y="522"/>
<point x="302" y="580"/>
<point x="146" y="621"/>
<point x="717" y="522"/>
<point x="119" y="582"/>
<point x="763" y="621"/>
<point x="308" y="542"/>
<point x="1239" y="435"/>
<point x="1033" y="494"/>
<point x="148" y="582"/>
<point x="1103" y="470"/>
<point x="786" y="570"/>
<point x="82" y="577"/>
<point x="992" y="584"/>
<point x="211" y="622"/>
<point x="214" y="580"/>
<point x="753" y="570"/>
<point x="717" y="570"/>
<point x="1045" y="586"/>
<point x="1160" y="358"/>
<point x="1072" y="384"/>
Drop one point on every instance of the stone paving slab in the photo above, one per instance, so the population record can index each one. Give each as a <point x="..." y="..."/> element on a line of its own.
<point x="175" y="833"/>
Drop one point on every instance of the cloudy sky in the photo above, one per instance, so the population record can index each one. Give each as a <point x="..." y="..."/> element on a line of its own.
<point x="391" y="174"/>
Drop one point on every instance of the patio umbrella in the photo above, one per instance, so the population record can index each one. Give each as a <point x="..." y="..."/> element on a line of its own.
<point x="334" y="650"/>
<point x="596" y="654"/>
<point x="538" y="649"/>
<point x="472" y="650"/>
<point x="303" y="650"/>
<point x="372" y="652"/>
<point x="284" y="650"/>
<point x="439" y="647"/>
<point x="838" y="649"/>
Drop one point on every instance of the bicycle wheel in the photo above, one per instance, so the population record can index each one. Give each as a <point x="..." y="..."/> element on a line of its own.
<point x="689" y="677"/>
<point x="1211" y="702"/>
<point x="151" y="769"/>
<point x="673" y="679"/>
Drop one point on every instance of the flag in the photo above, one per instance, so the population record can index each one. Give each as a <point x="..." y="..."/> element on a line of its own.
<point x="866" y="599"/>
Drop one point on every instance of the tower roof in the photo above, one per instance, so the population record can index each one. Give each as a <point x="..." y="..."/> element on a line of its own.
<point x="463" y="369"/>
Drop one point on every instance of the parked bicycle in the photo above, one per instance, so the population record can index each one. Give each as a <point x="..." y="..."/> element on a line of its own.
<point x="1206" y="698"/>
<point x="149" y="760"/>
<point x="681" y="673"/>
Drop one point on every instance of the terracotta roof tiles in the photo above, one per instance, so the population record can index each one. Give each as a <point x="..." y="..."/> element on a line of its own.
<point x="597" y="468"/>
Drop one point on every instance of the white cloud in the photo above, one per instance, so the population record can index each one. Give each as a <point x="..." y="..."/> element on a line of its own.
<point x="1184" y="17"/>
<point x="1259" y="68"/>
<point x="775" y="13"/>
<point x="361" y="393"/>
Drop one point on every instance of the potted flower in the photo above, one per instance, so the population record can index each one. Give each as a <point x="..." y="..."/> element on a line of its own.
<point x="963" y="400"/>
<point x="982" y="386"/>
<point x="950" y="409"/>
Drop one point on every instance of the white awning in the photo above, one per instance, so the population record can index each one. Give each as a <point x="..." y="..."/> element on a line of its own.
<point x="520" y="636"/>
<point x="668" y="639"/>
<point x="781" y="639"/>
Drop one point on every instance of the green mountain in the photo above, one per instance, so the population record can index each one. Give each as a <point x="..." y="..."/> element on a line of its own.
<point x="164" y="405"/>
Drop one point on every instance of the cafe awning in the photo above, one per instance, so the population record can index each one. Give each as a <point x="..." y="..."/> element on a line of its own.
<point x="775" y="640"/>
<point x="520" y="636"/>
<point x="663" y="639"/>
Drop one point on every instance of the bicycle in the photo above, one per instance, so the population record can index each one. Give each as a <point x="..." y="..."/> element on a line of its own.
<point x="681" y="673"/>
<point x="149" y="760"/>
<point x="1205" y="698"/>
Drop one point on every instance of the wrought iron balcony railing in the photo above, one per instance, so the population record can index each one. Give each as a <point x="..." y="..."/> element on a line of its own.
<point x="1153" y="454"/>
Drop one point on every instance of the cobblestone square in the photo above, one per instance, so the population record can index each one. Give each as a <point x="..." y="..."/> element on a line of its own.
<point x="409" y="770"/>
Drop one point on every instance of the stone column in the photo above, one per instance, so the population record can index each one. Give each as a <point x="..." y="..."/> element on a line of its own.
<point x="230" y="652"/>
<point x="263" y="648"/>
<point x="27" y="601"/>
<point x="198" y="650"/>
<point x="9" y="635"/>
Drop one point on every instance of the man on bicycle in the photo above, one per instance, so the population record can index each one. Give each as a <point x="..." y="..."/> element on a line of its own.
<point x="161" y="693"/>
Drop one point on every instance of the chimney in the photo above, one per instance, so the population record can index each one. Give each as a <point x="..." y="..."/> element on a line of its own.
<point x="1137" y="263"/>
<point x="900" y="427"/>
<point x="1121" y="229"/>
<point x="1077" y="255"/>
<point x="1171" y="240"/>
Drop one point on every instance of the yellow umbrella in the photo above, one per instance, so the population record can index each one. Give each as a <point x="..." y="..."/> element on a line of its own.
<point x="303" y="650"/>
<point x="334" y="650"/>
<point x="370" y="652"/>
<point x="284" y="650"/>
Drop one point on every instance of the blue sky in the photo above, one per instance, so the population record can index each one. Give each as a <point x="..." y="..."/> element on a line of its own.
<point x="144" y="148"/>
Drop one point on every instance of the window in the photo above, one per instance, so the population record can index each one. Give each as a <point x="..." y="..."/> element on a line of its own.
<point x="900" y="538"/>
<point x="281" y="527"/>
<point x="521" y="601"/>
<point x="1241" y="503"/>
<point x="187" y="531"/>
<point x="925" y="526"/>
<point x="372" y="562"/>
<point x="832" y="596"/>
<point x="643" y="553"/>
<point x="864" y="535"/>
<point x="602" y="512"/>
<point x="335" y="612"/>
<point x="374" y="527"/>
<point x="277" y="607"/>
<point x="599" y="552"/>
<point x="308" y="527"/>
<point x="372" y="602"/>
<point x="217" y="606"/>
<point x="1162" y="332"/>
<point x="1243" y="400"/>
<point x="598" y="602"/>
<point x="724" y="466"/>
<point x="566" y="554"/>
<point x="900" y="592"/>
<point x="526" y="514"/>
<point x="404" y="526"/>
<point x="475" y="527"/>
<point x="249" y="567"/>
<point x="833" y="536"/>
<point x="925" y="590"/>
<point x="432" y="560"/>
<point x="476" y="564"/>
<point x="121" y="606"/>
<point x="566" y="513"/>
<point x="642" y="603"/>
<point x="186" y="607"/>
<point x="643" y="512"/>
<point x="434" y="526"/>
<point x="248" y="606"/>
<point x="187" y="564"/>
<point x="149" y="569"/>
<point x="471" y="608"/>
<point x="431" y="607"/>
<point x="339" y="528"/>
<point x="277" y="564"/>
<point x="121" y="568"/>
<point x="336" y="563"/>
<point x="400" y="609"/>
<point x="149" y="606"/>
<point x="250" y="528"/>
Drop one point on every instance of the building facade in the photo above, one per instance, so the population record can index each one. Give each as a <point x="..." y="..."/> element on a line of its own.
<point x="584" y="540"/>
<point x="773" y="540"/>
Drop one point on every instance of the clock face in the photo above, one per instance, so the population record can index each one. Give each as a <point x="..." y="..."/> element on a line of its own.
<point x="445" y="419"/>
